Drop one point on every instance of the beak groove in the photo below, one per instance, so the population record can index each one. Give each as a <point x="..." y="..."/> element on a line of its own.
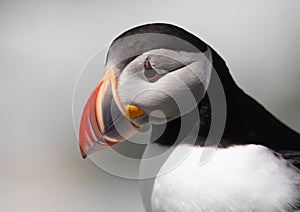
<point x="104" y="121"/>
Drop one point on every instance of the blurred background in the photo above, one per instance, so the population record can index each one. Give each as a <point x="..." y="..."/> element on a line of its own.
<point x="44" y="46"/>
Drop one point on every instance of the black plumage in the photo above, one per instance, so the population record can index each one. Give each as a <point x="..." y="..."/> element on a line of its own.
<point x="247" y="122"/>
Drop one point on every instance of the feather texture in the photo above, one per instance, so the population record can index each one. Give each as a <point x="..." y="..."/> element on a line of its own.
<point x="238" y="178"/>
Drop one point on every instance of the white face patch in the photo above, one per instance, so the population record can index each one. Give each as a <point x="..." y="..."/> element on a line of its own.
<point x="184" y="78"/>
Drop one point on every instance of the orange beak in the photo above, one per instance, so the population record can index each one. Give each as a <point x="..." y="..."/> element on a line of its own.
<point x="105" y="121"/>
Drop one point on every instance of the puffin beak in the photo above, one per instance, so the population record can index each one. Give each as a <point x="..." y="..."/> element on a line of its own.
<point x="105" y="121"/>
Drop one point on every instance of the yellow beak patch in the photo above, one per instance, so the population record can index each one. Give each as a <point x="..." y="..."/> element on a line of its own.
<point x="134" y="111"/>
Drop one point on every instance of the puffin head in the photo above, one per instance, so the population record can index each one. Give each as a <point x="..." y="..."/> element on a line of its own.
<point x="150" y="68"/>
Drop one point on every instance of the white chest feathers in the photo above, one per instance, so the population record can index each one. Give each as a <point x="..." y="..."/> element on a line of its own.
<point x="241" y="178"/>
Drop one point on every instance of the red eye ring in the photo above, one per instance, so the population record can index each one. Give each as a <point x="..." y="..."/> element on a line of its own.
<point x="147" y="64"/>
<point x="149" y="72"/>
<point x="154" y="76"/>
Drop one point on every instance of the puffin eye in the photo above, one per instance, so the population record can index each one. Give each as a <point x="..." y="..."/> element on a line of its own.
<point x="149" y="72"/>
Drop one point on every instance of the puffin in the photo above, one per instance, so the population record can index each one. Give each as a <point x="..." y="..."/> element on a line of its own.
<point x="211" y="147"/>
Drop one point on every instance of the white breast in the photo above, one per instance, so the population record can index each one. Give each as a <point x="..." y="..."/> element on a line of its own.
<point x="241" y="178"/>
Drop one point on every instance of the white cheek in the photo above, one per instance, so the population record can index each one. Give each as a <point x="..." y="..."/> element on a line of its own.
<point x="130" y="86"/>
<point x="181" y="88"/>
<point x="169" y="94"/>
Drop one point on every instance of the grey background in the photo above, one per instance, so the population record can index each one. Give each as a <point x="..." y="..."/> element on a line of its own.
<point x="44" y="46"/>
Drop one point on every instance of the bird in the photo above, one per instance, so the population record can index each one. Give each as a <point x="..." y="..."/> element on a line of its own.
<point x="220" y="149"/>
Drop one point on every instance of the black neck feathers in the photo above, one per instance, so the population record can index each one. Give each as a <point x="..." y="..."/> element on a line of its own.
<point x="247" y="122"/>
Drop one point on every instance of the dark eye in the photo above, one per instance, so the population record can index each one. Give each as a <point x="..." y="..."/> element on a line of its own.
<point x="149" y="72"/>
